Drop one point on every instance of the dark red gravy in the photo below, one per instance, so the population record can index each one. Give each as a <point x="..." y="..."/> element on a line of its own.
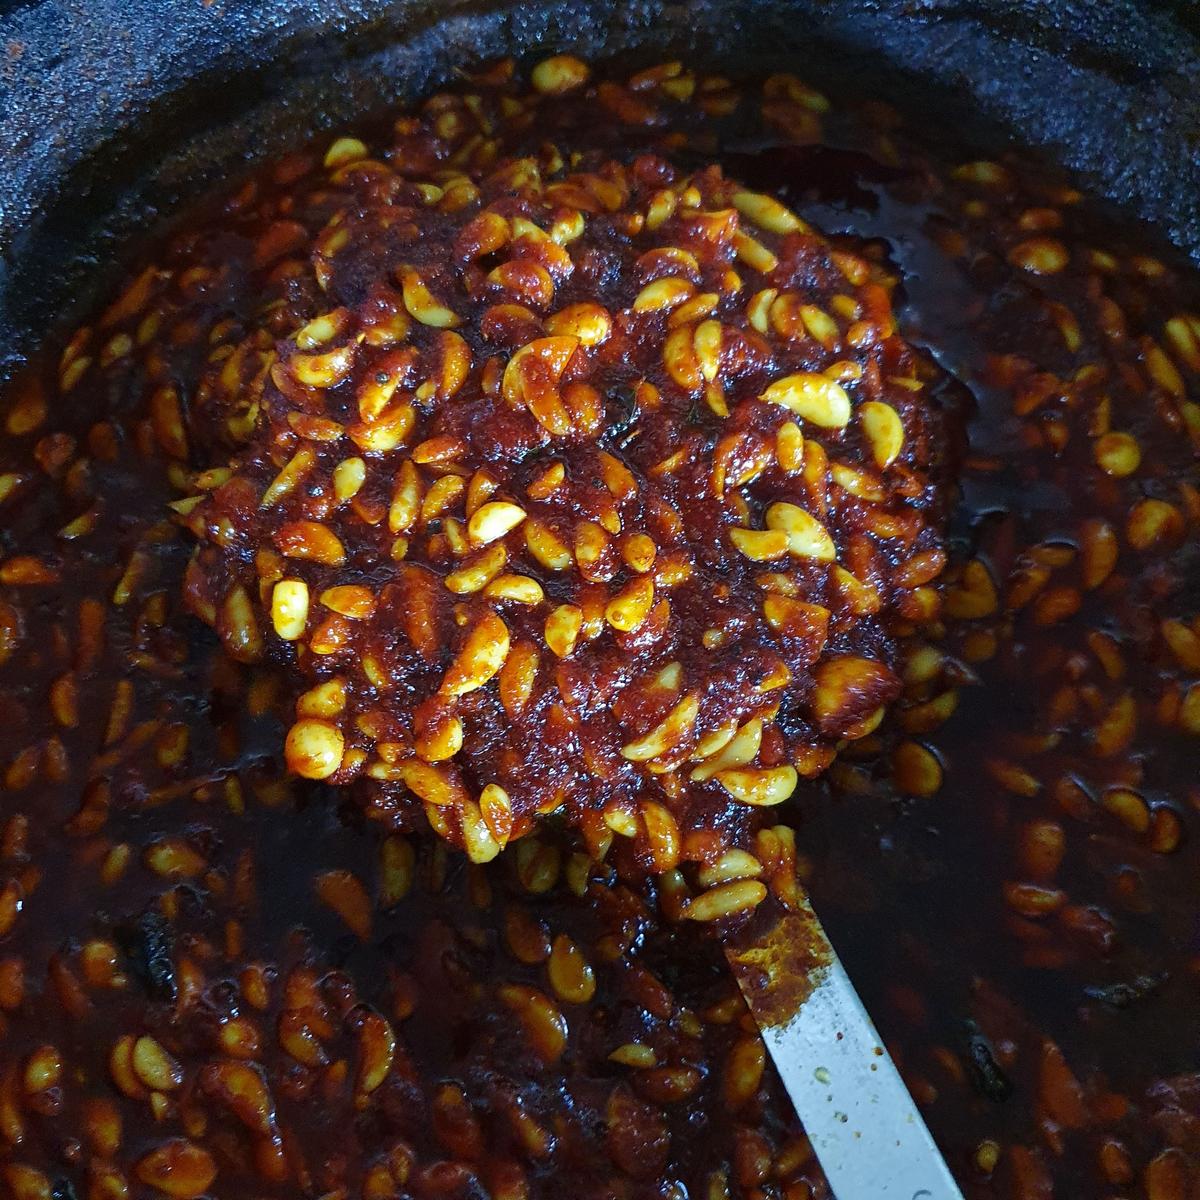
<point x="1025" y="935"/>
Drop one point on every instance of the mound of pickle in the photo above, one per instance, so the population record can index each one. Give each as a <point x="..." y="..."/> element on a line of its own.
<point x="561" y="485"/>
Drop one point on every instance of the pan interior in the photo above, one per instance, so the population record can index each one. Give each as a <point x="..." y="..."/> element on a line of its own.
<point x="115" y="119"/>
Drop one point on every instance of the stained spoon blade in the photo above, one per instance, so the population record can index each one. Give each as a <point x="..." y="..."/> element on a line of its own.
<point x="865" y="1129"/>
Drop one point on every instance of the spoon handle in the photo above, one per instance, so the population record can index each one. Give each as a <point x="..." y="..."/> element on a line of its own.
<point x="864" y="1126"/>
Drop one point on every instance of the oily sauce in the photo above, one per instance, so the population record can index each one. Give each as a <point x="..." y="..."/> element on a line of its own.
<point x="217" y="980"/>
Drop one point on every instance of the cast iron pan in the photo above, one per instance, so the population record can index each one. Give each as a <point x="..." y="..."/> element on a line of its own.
<point x="114" y="112"/>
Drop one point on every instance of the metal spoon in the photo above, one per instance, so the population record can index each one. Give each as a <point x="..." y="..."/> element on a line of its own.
<point x="864" y="1126"/>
